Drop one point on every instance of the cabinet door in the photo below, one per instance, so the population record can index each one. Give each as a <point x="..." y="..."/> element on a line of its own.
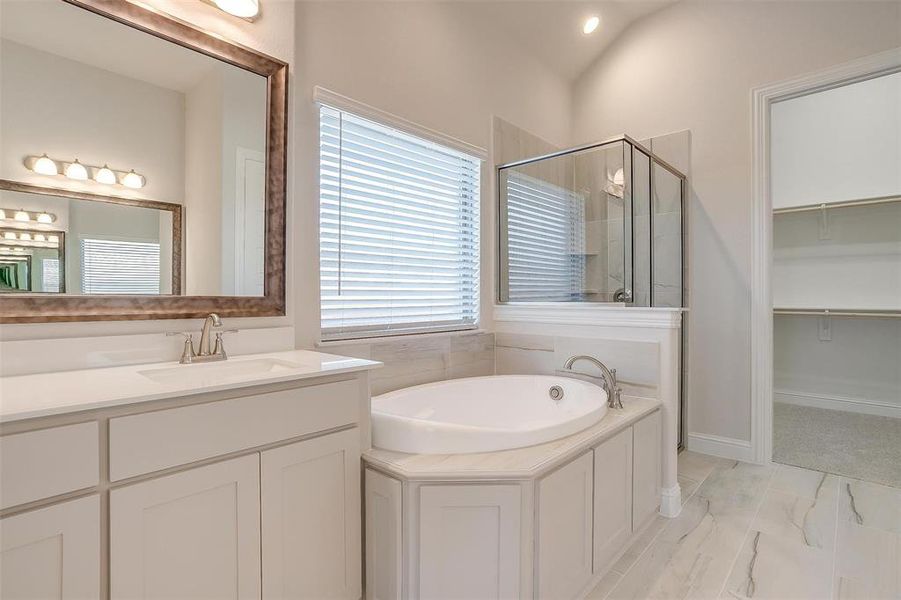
<point x="311" y="518"/>
<point x="194" y="534"/>
<point x="646" y="469"/>
<point x="612" y="497"/>
<point x="469" y="541"/>
<point x="52" y="552"/>
<point x="564" y="530"/>
<point x="384" y="546"/>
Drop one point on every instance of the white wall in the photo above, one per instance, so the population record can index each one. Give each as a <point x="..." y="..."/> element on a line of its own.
<point x="72" y="110"/>
<point x="436" y="64"/>
<point x="111" y="342"/>
<point x="841" y="144"/>
<point x="692" y="66"/>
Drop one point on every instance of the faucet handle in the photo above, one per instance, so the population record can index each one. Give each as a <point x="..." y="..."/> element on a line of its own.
<point x="618" y="398"/>
<point x="188" y="353"/>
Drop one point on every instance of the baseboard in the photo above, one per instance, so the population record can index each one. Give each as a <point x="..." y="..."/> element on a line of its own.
<point x="723" y="447"/>
<point x="843" y="403"/>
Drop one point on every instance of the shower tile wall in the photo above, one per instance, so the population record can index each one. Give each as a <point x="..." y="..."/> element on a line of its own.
<point x="414" y="360"/>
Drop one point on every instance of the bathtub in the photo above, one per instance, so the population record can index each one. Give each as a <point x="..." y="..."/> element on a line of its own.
<point x="484" y="414"/>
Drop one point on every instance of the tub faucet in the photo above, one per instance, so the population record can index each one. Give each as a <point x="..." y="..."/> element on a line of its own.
<point x="614" y="392"/>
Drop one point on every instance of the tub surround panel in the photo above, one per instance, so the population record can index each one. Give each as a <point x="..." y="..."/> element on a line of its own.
<point x="517" y="463"/>
<point x="30" y="396"/>
<point x="414" y="360"/>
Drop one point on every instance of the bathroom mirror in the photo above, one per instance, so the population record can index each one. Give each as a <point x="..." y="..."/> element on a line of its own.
<point x="155" y="152"/>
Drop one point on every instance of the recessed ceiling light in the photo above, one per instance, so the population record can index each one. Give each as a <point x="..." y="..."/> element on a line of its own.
<point x="240" y="8"/>
<point x="591" y="23"/>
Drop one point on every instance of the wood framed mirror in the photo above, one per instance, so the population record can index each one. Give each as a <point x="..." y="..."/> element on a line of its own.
<point x="154" y="153"/>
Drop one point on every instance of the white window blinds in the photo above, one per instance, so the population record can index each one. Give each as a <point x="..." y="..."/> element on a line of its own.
<point x="545" y="240"/>
<point x="399" y="231"/>
<point x="119" y="267"/>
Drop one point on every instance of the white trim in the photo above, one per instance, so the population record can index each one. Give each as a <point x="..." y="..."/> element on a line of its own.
<point x="723" y="447"/>
<point x="574" y="313"/>
<point x="761" y="446"/>
<point x="671" y="501"/>
<point x="325" y="96"/>
<point x="843" y="403"/>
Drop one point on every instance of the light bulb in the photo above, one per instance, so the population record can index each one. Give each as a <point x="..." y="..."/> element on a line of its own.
<point x="45" y="166"/>
<point x="21" y="215"/>
<point x="54" y="239"/>
<point x="39" y="237"/>
<point x="133" y="180"/>
<point x="46" y="217"/>
<point x="591" y="24"/>
<point x="240" y="8"/>
<point x="2" y="214"/>
<point x="105" y="175"/>
<point x="9" y="235"/>
<point x="25" y="237"/>
<point x="77" y="171"/>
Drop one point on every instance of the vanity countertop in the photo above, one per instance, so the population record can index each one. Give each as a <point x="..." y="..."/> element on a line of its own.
<point x="517" y="463"/>
<point x="46" y="394"/>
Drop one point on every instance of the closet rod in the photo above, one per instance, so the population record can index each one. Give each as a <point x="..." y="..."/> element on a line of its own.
<point x="846" y="204"/>
<point x="825" y="312"/>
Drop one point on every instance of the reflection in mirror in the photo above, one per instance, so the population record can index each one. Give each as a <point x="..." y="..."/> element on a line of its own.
<point x="78" y="246"/>
<point x="93" y="106"/>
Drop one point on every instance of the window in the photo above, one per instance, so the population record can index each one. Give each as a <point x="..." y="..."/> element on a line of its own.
<point x="399" y="231"/>
<point x="545" y="240"/>
<point x="119" y="267"/>
<point x="50" y="275"/>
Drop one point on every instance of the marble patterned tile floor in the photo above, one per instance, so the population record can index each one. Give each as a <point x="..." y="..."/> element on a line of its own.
<point x="773" y="532"/>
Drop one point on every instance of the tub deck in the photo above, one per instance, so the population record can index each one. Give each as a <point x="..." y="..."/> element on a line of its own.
<point x="517" y="463"/>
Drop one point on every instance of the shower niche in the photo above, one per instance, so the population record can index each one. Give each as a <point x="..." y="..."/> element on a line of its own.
<point x="600" y="223"/>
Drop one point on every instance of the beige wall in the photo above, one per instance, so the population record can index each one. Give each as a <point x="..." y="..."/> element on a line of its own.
<point x="435" y="64"/>
<point x="692" y="66"/>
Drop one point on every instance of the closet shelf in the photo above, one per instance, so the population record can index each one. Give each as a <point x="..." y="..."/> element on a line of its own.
<point x="845" y="204"/>
<point x="841" y="312"/>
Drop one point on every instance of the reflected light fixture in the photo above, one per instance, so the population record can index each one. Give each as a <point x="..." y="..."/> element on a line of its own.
<point x="21" y="215"/>
<point x="77" y="171"/>
<point x="105" y="175"/>
<point x="2" y="214"/>
<point x="45" y="166"/>
<point x="246" y="9"/>
<point x="39" y="237"/>
<point x="45" y="217"/>
<point x="133" y="180"/>
<point x="591" y="23"/>
<point x="619" y="177"/>
<point x="25" y="237"/>
<point x="9" y="235"/>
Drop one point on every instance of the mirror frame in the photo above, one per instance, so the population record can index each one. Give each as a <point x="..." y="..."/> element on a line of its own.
<point x="59" y="308"/>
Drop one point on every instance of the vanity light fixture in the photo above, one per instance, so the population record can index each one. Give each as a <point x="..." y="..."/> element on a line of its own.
<point x="105" y="175"/>
<point x="25" y="236"/>
<point x="40" y="237"/>
<point x="76" y="170"/>
<point x="591" y="23"/>
<point x="26" y="216"/>
<point x="133" y="180"/>
<point x="246" y="9"/>
<point x="81" y="172"/>
<point x="9" y="235"/>
<point x="44" y="165"/>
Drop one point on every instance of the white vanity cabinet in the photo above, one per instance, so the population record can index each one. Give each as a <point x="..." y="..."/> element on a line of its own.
<point x="249" y="494"/>
<point x="52" y="552"/>
<point x="194" y="534"/>
<point x="543" y="522"/>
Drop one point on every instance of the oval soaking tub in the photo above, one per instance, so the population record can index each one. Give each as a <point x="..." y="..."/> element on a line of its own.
<point x="484" y="414"/>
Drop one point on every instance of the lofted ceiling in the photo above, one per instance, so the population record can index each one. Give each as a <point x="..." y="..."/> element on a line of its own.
<point x="551" y="30"/>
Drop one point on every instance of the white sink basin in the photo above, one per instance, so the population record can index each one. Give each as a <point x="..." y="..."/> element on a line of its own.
<point x="226" y="370"/>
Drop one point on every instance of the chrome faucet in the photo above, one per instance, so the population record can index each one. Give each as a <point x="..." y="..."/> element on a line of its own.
<point x="204" y="353"/>
<point x="608" y="376"/>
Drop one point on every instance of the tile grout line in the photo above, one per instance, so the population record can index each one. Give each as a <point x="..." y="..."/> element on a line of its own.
<point x="654" y="539"/>
<point x="747" y="535"/>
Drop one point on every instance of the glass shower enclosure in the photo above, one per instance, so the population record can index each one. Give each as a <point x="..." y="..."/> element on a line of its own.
<point x="598" y="223"/>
